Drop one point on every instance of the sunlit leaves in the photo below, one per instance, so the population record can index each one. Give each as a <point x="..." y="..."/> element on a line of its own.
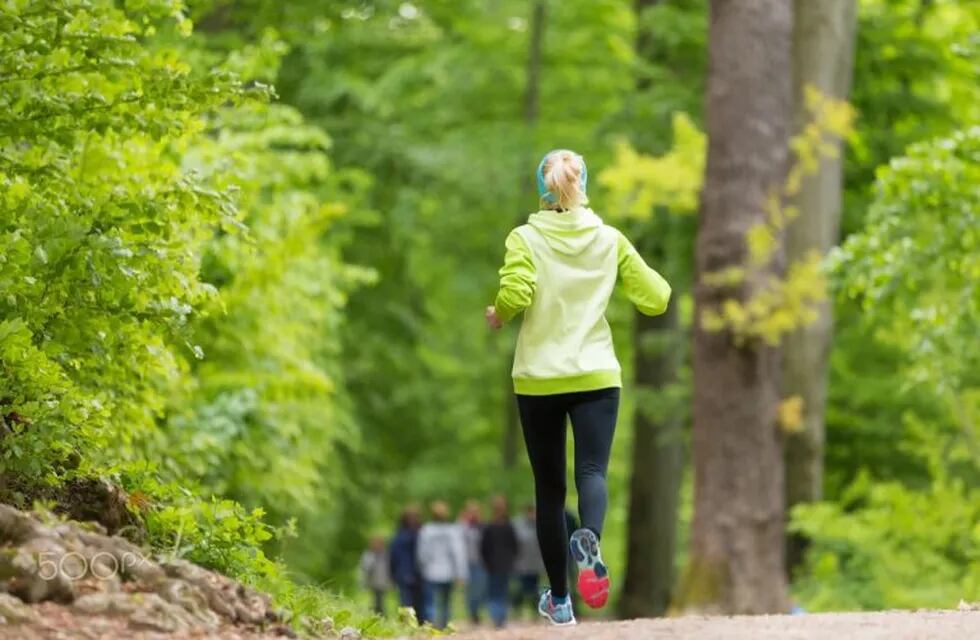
<point x="828" y="122"/>
<point x="263" y="413"/>
<point x="790" y="414"/>
<point x="638" y="185"/>
<point x="777" y="306"/>
<point x="101" y="227"/>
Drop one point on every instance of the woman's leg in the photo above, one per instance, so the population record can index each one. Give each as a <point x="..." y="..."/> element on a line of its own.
<point x="593" y="415"/>
<point x="543" y="420"/>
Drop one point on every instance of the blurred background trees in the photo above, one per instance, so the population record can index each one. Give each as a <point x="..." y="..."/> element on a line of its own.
<point x="210" y="287"/>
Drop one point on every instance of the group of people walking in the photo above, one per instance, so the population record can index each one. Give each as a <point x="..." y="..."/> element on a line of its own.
<point x="496" y="562"/>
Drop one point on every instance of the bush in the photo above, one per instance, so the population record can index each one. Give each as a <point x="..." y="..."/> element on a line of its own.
<point x="886" y="546"/>
<point x="916" y="542"/>
<point x="169" y="293"/>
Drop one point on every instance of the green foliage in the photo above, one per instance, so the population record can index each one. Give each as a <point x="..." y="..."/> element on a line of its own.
<point x="171" y="281"/>
<point x="886" y="546"/>
<point x="315" y="608"/>
<point x="271" y="381"/>
<point x="912" y="541"/>
<point x="216" y="533"/>
<point x="102" y="229"/>
<point x="914" y="80"/>
<point x="916" y="267"/>
<point x="916" y="64"/>
<point x="669" y="67"/>
<point x="868" y="422"/>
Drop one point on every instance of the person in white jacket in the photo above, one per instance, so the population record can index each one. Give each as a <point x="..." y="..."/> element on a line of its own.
<point x="442" y="560"/>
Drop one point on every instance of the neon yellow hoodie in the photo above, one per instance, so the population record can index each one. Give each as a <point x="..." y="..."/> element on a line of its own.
<point x="560" y="269"/>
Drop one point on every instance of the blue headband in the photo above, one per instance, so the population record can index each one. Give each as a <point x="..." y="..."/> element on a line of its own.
<point x="546" y="195"/>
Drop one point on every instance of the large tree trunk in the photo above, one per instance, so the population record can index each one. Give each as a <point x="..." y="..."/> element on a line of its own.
<point x="823" y="43"/>
<point x="532" y="100"/>
<point x="737" y="557"/>
<point x="658" y="453"/>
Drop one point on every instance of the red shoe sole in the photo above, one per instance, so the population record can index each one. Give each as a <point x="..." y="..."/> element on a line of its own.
<point x="594" y="590"/>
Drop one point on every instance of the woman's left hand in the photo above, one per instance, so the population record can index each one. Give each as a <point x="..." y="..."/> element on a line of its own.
<point x="493" y="320"/>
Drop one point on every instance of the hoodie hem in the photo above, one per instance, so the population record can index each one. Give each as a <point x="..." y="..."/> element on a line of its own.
<point x="591" y="381"/>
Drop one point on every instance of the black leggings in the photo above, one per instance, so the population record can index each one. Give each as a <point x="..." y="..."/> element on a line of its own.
<point x="593" y="415"/>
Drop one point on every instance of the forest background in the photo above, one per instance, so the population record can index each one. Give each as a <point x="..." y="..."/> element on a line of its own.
<point x="247" y="247"/>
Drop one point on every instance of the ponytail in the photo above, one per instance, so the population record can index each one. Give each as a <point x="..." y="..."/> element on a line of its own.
<point x="562" y="179"/>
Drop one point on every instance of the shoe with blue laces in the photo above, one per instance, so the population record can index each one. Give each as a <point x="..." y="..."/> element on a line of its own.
<point x="557" y="613"/>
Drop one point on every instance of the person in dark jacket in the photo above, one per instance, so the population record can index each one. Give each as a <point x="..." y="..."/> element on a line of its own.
<point x="499" y="549"/>
<point x="404" y="565"/>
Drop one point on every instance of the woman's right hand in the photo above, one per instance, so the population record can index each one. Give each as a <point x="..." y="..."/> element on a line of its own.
<point x="493" y="320"/>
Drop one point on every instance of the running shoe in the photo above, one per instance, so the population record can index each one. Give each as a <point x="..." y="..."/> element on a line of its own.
<point x="557" y="614"/>
<point x="593" y="577"/>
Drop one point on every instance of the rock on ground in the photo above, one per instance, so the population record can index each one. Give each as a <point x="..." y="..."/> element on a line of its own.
<point x="889" y="625"/>
<point x="68" y="580"/>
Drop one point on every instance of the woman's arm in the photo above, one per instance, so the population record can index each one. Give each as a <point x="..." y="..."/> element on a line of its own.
<point x="518" y="279"/>
<point x="645" y="288"/>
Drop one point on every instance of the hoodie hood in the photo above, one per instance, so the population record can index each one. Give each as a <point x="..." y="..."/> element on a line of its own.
<point x="568" y="232"/>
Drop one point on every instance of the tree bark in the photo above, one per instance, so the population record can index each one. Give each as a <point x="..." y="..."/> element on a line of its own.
<point x="532" y="92"/>
<point x="823" y="49"/>
<point x="737" y="557"/>
<point x="658" y="450"/>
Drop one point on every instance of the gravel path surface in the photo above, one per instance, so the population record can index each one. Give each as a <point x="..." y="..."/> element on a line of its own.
<point x="891" y="625"/>
<point x="57" y="623"/>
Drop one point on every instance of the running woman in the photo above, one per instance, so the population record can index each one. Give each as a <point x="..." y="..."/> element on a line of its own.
<point x="560" y="270"/>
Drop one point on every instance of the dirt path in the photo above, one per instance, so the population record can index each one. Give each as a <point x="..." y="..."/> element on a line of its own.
<point x="896" y="625"/>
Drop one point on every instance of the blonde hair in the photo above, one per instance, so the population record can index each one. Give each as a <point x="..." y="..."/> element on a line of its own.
<point x="563" y="178"/>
